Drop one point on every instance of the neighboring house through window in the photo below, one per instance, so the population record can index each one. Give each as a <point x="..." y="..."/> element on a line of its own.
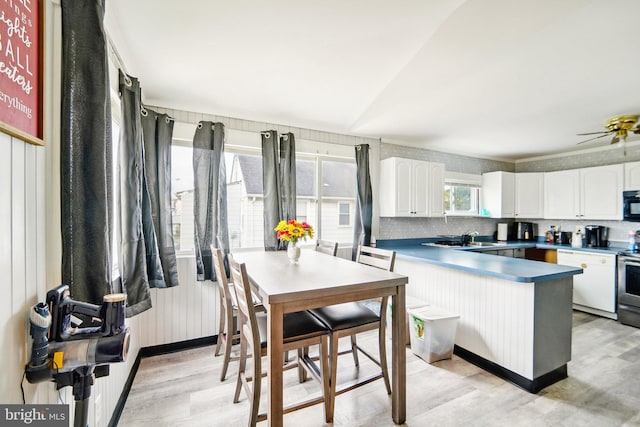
<point x="330" y="214"/>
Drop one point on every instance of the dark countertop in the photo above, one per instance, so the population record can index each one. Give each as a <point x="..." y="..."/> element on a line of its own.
<point x="471" y="259"/>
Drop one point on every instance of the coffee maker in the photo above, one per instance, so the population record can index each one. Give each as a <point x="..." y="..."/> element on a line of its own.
<point x="596" y="236"/>
<point x="524" y="231"/>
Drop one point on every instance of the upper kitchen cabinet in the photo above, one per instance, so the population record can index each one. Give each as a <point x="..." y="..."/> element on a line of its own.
<point x="513" y="195"/>
<point x="529" y="195"/>
<point x="588" y="193"/>
<point x="411" y="188"/>
<point x="499" y="194"/>
<point x="632" y="176"/>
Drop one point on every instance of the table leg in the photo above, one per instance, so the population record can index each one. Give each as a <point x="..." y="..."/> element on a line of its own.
<point x="274" y="370"/>
<point x="399" y="373"/>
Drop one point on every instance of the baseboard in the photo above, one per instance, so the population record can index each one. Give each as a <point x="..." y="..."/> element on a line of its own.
<point x="117" y="411"/>
<point x="173" y="347"/>
<point x="532" y="386"/>
<point x="154" y="351"/>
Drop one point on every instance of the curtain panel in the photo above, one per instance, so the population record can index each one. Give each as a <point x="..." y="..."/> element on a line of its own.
<point x="138" y="259"/>
<point x="288" y="175"/>
<point x="210" y="196"/>
<point x="157" y="130"/>
<point x="85" y="153"/>
<point x="364" y="200"/>
<point x="278" y="184"/>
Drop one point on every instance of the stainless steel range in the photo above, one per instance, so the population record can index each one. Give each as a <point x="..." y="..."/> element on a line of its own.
<point x="629" y="288"/>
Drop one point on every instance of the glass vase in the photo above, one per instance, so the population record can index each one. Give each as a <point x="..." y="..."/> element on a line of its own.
<point x="293" y="252"/>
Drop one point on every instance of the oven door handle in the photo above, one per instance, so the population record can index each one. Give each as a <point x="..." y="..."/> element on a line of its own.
<point x="634" y="264"/>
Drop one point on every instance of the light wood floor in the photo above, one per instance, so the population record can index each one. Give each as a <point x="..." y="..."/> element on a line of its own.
<point x="603" y="389"/>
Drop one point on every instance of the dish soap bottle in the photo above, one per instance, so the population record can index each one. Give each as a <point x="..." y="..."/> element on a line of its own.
<point x="632" y="246"/>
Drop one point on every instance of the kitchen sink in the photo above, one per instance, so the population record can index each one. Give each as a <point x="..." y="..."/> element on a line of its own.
<point x="485" y="244"/>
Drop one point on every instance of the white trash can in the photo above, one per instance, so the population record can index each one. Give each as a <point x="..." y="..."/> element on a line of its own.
<point x="433" y="332"/>
<point x="410" y="303"/>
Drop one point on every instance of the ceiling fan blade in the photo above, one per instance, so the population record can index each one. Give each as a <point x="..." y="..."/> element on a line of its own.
<point x="597" y="137"/>
<point x="594" y="133"/>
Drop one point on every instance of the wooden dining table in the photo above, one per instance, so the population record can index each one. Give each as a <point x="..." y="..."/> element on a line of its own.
<point x="318" y="280"/>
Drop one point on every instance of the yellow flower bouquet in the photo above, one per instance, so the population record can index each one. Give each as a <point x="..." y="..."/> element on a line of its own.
<point x="292" y="231"/>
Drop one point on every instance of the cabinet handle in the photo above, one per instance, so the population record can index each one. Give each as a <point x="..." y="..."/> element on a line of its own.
<point x="583" y="266"/>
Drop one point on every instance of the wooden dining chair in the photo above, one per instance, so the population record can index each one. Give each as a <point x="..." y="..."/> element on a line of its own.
<point x="327" y="247"/>
<point x="227" y="332"/>
<point x="300" y="330"/>
<point x="351" y="318"/>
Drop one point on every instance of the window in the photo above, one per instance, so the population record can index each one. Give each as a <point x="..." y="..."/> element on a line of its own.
<point x="344" y="214"/>
<point x="338" y="191"/>
<point x="461" y="199"/>
<point x="330" y="214"/>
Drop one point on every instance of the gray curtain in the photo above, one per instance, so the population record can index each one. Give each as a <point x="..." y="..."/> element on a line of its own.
<point x="288" y="175"/>
<point x="271" y="188"/>
<point x="278" y="184"/>
<point x="138" y="259"/>
<point x="85" y="153"/>
<point x="157" y="130"/>
<point x="364" y="200"/>
<point x="210" y="196"/>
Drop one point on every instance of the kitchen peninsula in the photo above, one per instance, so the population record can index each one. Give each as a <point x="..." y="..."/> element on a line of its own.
<point x="515" y="314"/>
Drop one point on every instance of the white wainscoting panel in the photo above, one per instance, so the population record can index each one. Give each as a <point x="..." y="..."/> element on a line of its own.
<point x="496" y="316"/>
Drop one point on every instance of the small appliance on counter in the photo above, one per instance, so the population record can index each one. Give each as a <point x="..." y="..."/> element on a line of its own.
<point x="576" y="239"/>
<point x="596" y="236"/>
<point x="565" y="238"/>
<point x="503" y="232"/>
<point x="525" y="231"/>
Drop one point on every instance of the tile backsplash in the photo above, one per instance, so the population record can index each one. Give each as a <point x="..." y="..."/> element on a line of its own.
<point x="407" y="228"/>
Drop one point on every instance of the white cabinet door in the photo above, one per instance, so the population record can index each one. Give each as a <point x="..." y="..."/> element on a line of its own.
<point x="596" y="287"/>
<point x="411" y="188"/>
<point x="632" y="176"/>
<point x="601" y="192"/>
<point x="588" y="193"/>
<point x="420" y="183"/>
<point x="529" y="199"/>
<point x="562" y="194"/>
<point x="403" y="188"/>
<point x="436" y="189"/>
<point x="498" y="194"/>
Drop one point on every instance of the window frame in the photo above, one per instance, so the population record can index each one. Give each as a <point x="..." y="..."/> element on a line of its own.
<point x="318" y="159"/>
<point x="475" y="199"/>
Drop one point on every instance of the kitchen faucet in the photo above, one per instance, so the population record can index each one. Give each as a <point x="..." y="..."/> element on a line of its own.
<point x="473" y="235"/>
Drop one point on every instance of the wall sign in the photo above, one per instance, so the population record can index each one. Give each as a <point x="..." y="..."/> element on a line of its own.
<point x="21" y="75"/>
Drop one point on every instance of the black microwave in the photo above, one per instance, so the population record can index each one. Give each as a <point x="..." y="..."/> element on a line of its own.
<point x="631" y="206"/>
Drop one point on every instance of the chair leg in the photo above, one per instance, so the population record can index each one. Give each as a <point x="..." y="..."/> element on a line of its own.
<point x="329" y="401"/>
<point x="221" y="329"/>
<point x="333" y="373"/>
<point x="383" y="358"/>
<point x="241" y="369"/>
<point x="229" y="335"/>
<point x="227" y="356"/>
<point x="302" y="372"/>
<point x="257" y="387"/>
<point x="354" y="350"/>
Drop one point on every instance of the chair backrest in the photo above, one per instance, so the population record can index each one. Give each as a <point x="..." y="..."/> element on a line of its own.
<point x="247" y="314"/>
<point x="376" y="257"/>
<point x="221" y="278"/>
<point x="327" y="247"/>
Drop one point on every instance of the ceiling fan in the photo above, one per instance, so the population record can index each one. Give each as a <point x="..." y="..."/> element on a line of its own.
<point x="619" y="127"/>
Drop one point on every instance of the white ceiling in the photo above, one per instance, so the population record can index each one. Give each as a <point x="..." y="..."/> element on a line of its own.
<point x="494" y="78"/>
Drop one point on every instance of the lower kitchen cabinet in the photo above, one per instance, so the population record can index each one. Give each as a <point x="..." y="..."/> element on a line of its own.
<point x="512" y="253"/>
<point x="594" y="290"/>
